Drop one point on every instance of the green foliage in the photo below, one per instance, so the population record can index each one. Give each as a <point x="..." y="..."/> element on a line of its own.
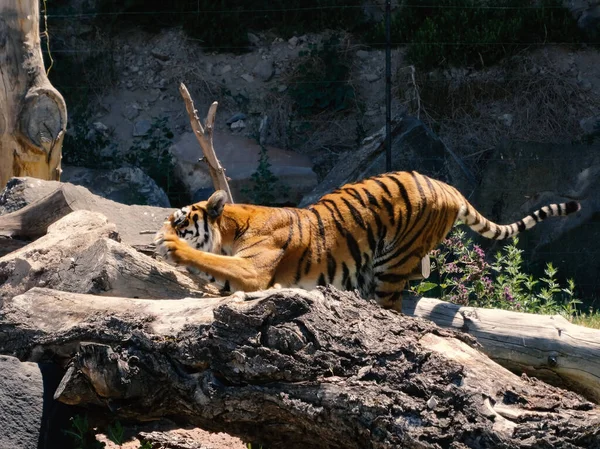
<point x="83" y="147"/>
<point x="466" y="278"/>
<point x="83" y="435"/>
<point x="116" y="433"/>
<point x="476" y="32"/>
<point x="264" y="183"/>
<point x="322" y="81"/>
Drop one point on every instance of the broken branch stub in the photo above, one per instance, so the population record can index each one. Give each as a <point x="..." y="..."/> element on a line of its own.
<point x="205" y="139"/>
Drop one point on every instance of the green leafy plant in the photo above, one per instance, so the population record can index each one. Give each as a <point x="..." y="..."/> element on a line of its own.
<point x="264" y="183"/>
<point x="116" y="433"/>
<point x="321" y="79"/>
<point x="83" y="435"/>
<point x="475" y="32"/>
<point x="465" y="277"/>
<point x="151" y="154"/>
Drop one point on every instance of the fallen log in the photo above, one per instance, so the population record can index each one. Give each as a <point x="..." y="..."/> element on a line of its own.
<point x="545" y="346"/>
<point x="291" y="368"/>
<point x="82" y="253"/>
<point x="32" y="221"/>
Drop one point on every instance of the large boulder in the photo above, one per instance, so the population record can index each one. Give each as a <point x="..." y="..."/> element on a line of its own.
<point x="239" y="156"/>
<point x="521" y="177"/>
<point x="125" y="185"/>
<point x="414" y="147"/>
<point x="20" y="192"/>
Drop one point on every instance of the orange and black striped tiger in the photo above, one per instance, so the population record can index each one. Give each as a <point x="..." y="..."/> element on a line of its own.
<point x="369" y="235"/>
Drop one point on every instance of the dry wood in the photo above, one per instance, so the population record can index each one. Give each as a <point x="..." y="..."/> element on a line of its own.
<point x="33" y="115"/>
<point x="63" y="198"/>
<point x="544" y="346"/>
<point x="205" y="139"/>
<point x="291" y="368"/>
<point x="81" y="253"/>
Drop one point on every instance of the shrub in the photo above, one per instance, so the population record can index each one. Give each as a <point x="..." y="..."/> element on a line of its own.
<point x="264" y="182"/>
<point x="465" y="277"/>
<point x="321" y="79"/>
<point x="475" y="32"/>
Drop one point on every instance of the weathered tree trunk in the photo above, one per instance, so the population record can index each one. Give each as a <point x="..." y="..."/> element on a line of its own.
<point x="33" y="115"/>
<point x="545" y="346"/>
<point x="291" y="368"/>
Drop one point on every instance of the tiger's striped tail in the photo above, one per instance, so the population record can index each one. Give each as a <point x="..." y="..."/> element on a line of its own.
<point x="478" y="223"/>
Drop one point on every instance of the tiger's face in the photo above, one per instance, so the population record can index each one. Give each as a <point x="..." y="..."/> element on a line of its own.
<point x="198" y="224"/>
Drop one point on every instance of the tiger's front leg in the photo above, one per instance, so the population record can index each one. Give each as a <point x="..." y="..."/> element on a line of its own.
<point x="241" y="273"/>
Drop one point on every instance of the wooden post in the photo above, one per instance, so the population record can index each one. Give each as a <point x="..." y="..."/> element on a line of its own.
<point x="33" y="114"/>
<point x="205" y="138"/>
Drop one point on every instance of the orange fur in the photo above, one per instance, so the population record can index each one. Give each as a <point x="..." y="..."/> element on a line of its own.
<point x="369" y="236"/>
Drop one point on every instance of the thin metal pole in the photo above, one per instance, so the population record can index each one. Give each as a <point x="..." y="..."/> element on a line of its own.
<point x="388" y="87"/>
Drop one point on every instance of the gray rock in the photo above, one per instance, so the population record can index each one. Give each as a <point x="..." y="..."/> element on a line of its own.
<point x="19" y="192"/>
<point x="293" y="41"/>
<point x="21" y="403"/>
<point x="372" y="77"/>
<point x="590" y="125"/>
<point x="247" y="77"/>
<point x="160" y="55"/>
<point x="126" y="185"/>
<point x="130" y="112"/>
<point x="225" y="69"/>
<point x="264" y="70"/>
<point x="141" y="127"/>
<point x="235" y="117"/>
<point x="523" y="176"/>
<point x="414" y="147"/>
<point x="239" y="125"/>
<point x="362" y="54"/>
<point x="239" y="156"/>
<point x="253" y="39"/>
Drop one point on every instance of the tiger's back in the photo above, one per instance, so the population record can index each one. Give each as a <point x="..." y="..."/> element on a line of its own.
<point x="369" y="235"/>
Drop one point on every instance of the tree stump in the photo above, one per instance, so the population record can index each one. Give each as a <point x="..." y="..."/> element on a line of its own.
<point x="33" y="114"/>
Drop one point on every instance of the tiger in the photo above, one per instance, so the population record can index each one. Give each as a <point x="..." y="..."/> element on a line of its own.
<point x="367" y="236"/>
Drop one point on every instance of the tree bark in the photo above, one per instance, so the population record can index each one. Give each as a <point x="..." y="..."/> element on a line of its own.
<point x="33" y="114"/>
<point x="545" y="346"/>
<point x="291" y="368"/>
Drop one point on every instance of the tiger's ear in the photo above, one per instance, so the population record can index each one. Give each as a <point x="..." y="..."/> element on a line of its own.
<point x="216" y="203"/>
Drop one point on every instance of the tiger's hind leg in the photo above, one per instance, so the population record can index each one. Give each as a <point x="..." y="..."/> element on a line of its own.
<point x="391" y="279"/>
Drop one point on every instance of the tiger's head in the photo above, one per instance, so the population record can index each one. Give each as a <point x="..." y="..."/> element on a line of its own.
<point x="198" y="224"/>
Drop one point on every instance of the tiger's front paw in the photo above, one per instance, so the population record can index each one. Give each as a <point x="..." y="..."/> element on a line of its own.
<point x="169" y="246"/>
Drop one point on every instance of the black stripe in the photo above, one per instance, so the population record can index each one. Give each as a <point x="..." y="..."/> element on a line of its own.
<point x="354" y="250"/>
<point x="390" y="210"/>
<point x="205" y="219"/>
<point x="521" y="226"/>
<point x="227" y="286"/>
<point x="542" y="214"/>
<point x="571" y="206"/>
<point x="371" y="239"/>
<point x="404" y="195"/>
<point x="338" y="225"/>
<point x="345" y="274"/>
<point x="535" y="217"/>
<point x="321" y="280"/>
<point x="239" y="230"/>
<point x="335" y="207"/>
<point x="299" y="223"/>
<point x="331" y="267"/>
<point x="299" y="267"/>
<point x="290" y="235"/>
<point x="355" y="213"/>
<point x="355" y="194"/>
<point x="309" y="261"/>
<point x="372" y="200"/>
<point x="383" y="186"/>
<point x="390" y="277"/>
<point x="322" y="241"/>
